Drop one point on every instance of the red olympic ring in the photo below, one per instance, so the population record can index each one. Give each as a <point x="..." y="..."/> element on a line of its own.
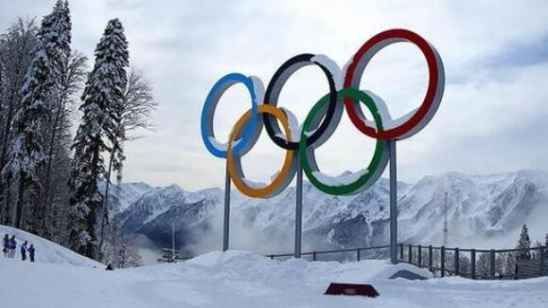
<point x="431" y="100"/>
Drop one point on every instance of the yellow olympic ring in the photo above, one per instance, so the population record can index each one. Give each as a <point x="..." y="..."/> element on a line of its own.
<point x="282" y="178"/>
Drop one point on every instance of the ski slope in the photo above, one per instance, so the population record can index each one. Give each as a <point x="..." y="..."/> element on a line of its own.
<point x="46" y="251"/>
<point x="241" y="279"/>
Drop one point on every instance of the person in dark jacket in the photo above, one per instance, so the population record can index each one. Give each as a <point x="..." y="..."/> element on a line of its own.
<point x="6" y="245"/>
<point x="31" y="253"/>
<point x="12" y="246"/>
<point x="24" y="251"/>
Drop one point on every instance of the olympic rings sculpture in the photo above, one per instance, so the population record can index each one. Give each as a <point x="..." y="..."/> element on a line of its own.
<point x="322" y="120"/>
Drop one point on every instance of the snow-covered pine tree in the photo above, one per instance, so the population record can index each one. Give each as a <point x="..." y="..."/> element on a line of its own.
<point x="56" y="34"/>
<point x="101" y="107"/>
<point x="26" y="153"/>
<point x="524" y="244"/>
<point x="483" y="266"/>
<point x="509" y="264"/>
<point x="16" y="54"/>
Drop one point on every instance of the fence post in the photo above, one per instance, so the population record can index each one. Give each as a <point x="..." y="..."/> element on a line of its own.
<point x="358" y="254"/>
<point x="271" y="257"/>
<point x="401" y="252"/>
<point x="410" y="254"/>
<point x="541" y="261"/>
<point x="473" y="263"/>
<point x="442" y="261"/>
<point x="430" y="258"/>
<point x="457" y="264"/>
<point x="420" y="256"/>
<point x="492" y="263"/>
<point x="313" y="256"/>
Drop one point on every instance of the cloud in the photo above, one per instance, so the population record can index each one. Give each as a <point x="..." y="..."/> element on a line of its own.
<point x="494" y="55"/>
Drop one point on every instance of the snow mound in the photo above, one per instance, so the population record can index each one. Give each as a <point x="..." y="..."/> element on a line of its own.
<point x="47" y="251"/>
<point x="390" y="271"/>
<point x="243" y="279"/>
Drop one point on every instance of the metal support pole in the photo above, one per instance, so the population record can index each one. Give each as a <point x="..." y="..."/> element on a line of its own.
<point x="313" y="256"/>
<point x="473" y="263"/>
<point x="492" y="263"/>
<point x="173" y="241"/>
<point x="401" y="252"/>
<point x="299" y="212"/>
<point x="410" y="254"/>
<point x="393" y="203"/>
<point x="457" y="262"/>
<point x="430" y="258"/>
<point x="226" y="220"/>
<point x="542" y="254"/>
<point x="358" y="257"/>
<point x="442" y="261"/>
<point x="419" y="256"/>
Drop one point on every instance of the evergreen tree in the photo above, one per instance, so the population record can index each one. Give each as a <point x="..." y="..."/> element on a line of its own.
<point x="464" y="264"/>
<point x="500" y="261"/>
<point x="510" y="264"/>
<point x="97" y="134"/>
<point x="66" y="82"/>
<point x="483" y="266"/>
<point x="524" y="244"/>
<point x="26" y="153"/>
<point x="17" y="48"/>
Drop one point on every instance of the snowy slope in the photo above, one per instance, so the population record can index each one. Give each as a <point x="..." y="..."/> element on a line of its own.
<point x="47" y="251"/>
<point x="241" y="279"/>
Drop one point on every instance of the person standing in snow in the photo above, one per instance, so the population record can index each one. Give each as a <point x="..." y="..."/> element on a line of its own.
<point x="24" y="251"/>
<point x="12" y="246"/>
<point x="6" y="245"/>
<point x="31" y="253"/>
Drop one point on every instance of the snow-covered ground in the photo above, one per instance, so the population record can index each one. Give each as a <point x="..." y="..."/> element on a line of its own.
<point x="242" y="279"/>
<point x="46" y="251"/>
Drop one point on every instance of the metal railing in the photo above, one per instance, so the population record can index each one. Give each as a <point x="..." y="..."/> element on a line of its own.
<point x="448" y="261"/>
<point x="478" y="263"/>
<point x="348" y="254"/>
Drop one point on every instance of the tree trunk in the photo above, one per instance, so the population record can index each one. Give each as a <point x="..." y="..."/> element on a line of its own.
<point x="3" y="153"/>
<point x="19" y="204"/>
<point x="8" y="220"/>
<point x="48" y="196"/>
<point x="91" y="249"/>
<point x="104" y="217"/>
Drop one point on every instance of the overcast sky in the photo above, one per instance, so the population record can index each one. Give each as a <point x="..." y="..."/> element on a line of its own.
<point x="493" y="117"/>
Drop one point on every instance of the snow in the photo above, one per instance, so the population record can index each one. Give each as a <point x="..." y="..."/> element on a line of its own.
<point x="222" y="146"/>
<point x="294" y="127"/>
<point x="343" y="179"/>
<point x="387" y="121"/>
<point x="332" y="67"/>
<point x="258" y="86"/>
<point x="243" y="279"/>
<point x="47" y="251"/>
<point x="253" y="184"/>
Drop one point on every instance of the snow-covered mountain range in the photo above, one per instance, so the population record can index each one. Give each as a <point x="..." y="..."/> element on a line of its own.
<point x="484" y="210"/>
